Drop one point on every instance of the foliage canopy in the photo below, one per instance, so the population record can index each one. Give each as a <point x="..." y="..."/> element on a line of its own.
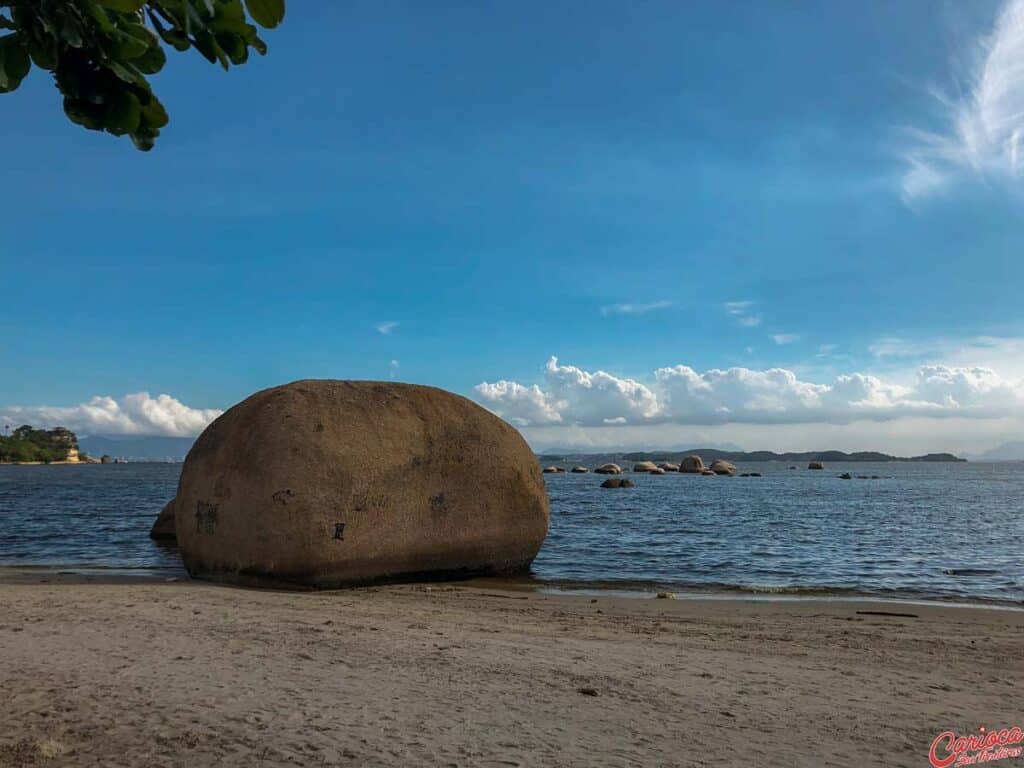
<point x="28" y="444"/>
<point x="102" y="52"/>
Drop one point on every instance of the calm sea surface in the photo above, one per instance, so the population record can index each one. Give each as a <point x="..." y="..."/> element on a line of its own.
<point x="947" y="531"/>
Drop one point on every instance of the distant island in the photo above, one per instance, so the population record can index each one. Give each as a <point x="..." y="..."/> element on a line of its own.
<point x="711" y="454"/>
<point x="27" y="445"/>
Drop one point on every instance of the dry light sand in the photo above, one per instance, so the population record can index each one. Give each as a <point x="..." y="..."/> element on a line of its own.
<point x="189" y="674"/>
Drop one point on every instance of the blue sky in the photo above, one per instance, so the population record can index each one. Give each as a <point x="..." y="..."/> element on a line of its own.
<point x="452" y="193"/>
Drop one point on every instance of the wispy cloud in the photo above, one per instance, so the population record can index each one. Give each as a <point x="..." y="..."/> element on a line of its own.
<point x="744" y="313"/>
<point x="634" y="309"/>
<point x="393" y="370"/>
<point x="785" y="338"/>
<point x="984" y="134"/>
<point x="386" y="327"/>
<point x="891" y="346"/>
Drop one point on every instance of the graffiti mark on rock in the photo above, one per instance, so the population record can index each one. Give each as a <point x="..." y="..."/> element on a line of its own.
<point x="438" y="504"/>
<point x="283" y="497"/>
<point x="206" y="517"/>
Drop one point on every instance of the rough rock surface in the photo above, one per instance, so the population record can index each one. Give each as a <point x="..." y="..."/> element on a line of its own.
<point x="722" y="467"/>
<point x="329" y="483"/>
<point x="618" y="482"/>
<point x="693" y="465"/>
<point x="163" y="528"/>
<point x="609" y="469"/>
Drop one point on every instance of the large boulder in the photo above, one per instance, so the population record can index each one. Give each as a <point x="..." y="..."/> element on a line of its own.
<point x="815" y="465"/>
<point x="553" y="470"/>
<point x="668" y="466"/>
<point x="692" y="465"/>
<point x="617" y="482"/>
<point x="332" y="483"/>
<point x="645" y="466"/>
<point x="722" y="467"/>
<point x="163" y="528"/>
<point x="579" y="470"/>
<point x="609" y="469"/>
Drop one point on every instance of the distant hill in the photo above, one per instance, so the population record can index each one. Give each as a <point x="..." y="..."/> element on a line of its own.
<point x="710" y="454"/>
<point x="1013" y="451"/>
<point x="139" y="448"/>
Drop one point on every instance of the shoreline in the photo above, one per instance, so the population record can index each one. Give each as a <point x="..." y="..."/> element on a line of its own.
<point x="187" y="672"/>
<point x="96" y="574"/>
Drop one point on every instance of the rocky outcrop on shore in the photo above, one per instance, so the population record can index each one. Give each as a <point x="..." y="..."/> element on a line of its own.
<point x="692" y="465"/>
<point x="163" y="529"/>
<point x="331" y="483"/>
<point x="720" y="467"/>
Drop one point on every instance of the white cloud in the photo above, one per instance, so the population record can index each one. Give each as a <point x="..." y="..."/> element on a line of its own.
<point x="519" y="404"/>
<point x="785" y="338"/>
<point x="984" y="137"/>
<point x="743" y="312"/>
<point x="136" y="414"/>
<point x="386" y="327"/>
<point x="634" y="309"/>
<point x="679" y="394"/>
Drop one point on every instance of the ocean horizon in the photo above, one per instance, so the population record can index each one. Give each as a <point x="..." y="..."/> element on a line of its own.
<point x="915" y="531"/>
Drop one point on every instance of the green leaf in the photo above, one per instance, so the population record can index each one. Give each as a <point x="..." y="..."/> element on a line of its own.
<point x="17" y="63"/>
<point x="154" y="113"/>
<point x="14" y="62"/>
<point x="267" y="13"/>
<point x="126" y="46"/>
<point x="83" y="114"/>
<point x="152" y="61"/>
<point x="124" y="6"/>
<point x="123" y="114"/>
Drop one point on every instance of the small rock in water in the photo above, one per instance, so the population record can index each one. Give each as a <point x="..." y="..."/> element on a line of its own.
<point x="616" y="482"/>
<point x="666" y="595"/>
<point x="846" y="476"/>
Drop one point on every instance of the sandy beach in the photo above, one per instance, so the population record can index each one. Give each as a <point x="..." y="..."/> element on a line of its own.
<point x="185" y="673"/>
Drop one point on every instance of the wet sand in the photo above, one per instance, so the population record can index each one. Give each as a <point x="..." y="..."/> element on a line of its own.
<point x="127" y="673"/>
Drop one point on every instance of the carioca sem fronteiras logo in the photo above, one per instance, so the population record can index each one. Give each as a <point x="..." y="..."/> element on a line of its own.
<point x="948" y="749"/>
